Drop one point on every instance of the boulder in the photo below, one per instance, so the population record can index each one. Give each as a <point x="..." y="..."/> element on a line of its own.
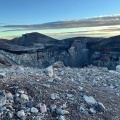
<point x="49" y="71"/>
<point x="118" y="68"/>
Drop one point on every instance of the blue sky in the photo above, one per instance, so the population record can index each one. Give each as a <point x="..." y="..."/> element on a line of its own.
<point x="59" y="18"/>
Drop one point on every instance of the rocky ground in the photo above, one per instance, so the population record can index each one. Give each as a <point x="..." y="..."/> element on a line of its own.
<point x="59" y="93"/>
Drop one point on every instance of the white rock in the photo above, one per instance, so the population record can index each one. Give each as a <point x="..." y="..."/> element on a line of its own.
<point x="118" y="68"/>
<point x="43" y="108"/>
<point x="21" y="113"/>
<point x="65" y="112"/>
<point x="34" y="110"/>
<point x="69" y="95"/>
<point x="24" y="96"/>
<point x="20" y="91"/>
<point x="9" y="96"/>
<point x="54" y="96"/>
<point x="61" y="117"/>
<point x="49" y="71"/>
<point x="92" y="111"/>
<point x="89" y="100"/>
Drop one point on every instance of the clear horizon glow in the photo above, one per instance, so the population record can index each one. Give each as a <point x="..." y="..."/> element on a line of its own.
<point x="60" y="19"/>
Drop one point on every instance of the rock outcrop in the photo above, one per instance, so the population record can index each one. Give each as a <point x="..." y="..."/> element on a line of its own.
<point x="38" y="50"/>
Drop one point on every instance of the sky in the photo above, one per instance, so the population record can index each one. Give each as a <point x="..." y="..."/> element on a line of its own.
<point x="60" y="18"/>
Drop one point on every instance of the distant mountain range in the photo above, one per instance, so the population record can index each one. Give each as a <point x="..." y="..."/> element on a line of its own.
<point x="40" y="41"/>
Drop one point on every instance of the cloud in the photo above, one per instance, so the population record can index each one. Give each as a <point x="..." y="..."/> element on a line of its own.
<point x="76" y="23"/>
<point x="89" y="33"/>
<point x="102" y="26"/>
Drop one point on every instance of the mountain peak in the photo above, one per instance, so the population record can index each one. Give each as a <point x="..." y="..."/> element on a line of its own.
<point x="29" y="39"/>
<point x="34" y="34"/>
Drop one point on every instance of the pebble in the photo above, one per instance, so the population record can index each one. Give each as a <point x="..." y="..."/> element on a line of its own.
<point x="21" y="113"/>
<point x="89" y="100"/>
<point x="61" y="117"/>
<point x="2" y="101"/>
<point x="52" y="108"/>
<point x="69" y="95"/>
<point x="29" y="103"/>
<point x="34" y="110"/>
<point x="24" y="97"/>
<point x="61" y="112"/>
<point x="100" y="107"/>
<point x="43" y="108"/>
<point x="54" y="96"/>
<point x="9" y="96"/>
<point x="92" y="111"/>
<point x="20" y="91"/>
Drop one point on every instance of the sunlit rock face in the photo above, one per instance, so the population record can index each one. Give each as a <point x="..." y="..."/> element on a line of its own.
<point x="38" y="50"/>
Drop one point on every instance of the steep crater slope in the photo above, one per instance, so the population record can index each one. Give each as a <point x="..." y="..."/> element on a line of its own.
<point x="38" y="50"/>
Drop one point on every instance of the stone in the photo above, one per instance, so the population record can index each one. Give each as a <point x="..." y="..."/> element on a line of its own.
<point x="64" y="112"/>
<point x="49" y="71"/>
<point x="52" y="108"/>
<point x="22" y="108"/>
<point x="61" y="117"/>
<point x="20" y="91"/>
<point x="46" y="85"/>
<point x="50" y="80"/>
<point x="69" y="95"/>
<point x="34" y="110"/>
<point x="38" y="118"/>
<point x="83" y="109"/>
<point x="54" y="96"/>
<point x="59" y="111"/>
<point x="118" y="68"/>
<point x="9" y="96"/>
<point x="19" y="70"/>
<point x="28" y="110"/>
<point x="2" y="101"/>
<point x="29" y="104"/>
<point x="89" y="100"/>
<point x="92" y="111"/>
<point x="10" y="115"/>
<point x="43" y="108"/>
<point x="100" y="107"/>
<point x="64" y="105"/>
<point x="21" y="113"/>
<point x="24" y="97"/>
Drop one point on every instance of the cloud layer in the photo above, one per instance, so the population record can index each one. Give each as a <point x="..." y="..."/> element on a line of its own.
<point x="98" y="26"/>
